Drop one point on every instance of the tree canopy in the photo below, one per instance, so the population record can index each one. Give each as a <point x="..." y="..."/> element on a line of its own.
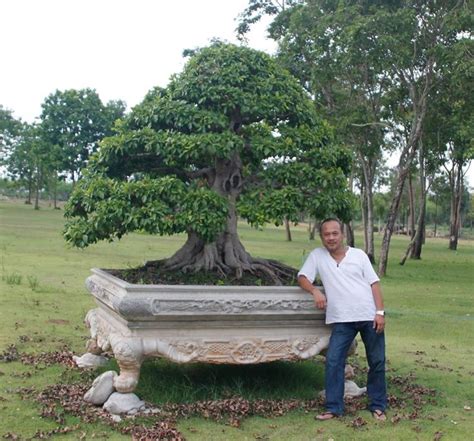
<point x="233" y="134"/>
<point x="371" y="67"/>
<point x="75" y="121"/>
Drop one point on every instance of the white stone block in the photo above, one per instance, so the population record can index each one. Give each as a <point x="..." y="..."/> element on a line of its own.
<point x="123" y="404"/>
<point x="89" y="360"/>
<point x="351" y="390"/>
<point x="102" y="388"/>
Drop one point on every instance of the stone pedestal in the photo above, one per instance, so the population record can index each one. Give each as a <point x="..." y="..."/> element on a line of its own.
<point x="200" y="323"/>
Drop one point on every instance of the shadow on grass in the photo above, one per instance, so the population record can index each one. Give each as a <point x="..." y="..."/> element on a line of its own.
<point x="162" y="381"/>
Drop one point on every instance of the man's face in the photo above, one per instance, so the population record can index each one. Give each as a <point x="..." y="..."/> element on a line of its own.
<point x="332" y="236"/>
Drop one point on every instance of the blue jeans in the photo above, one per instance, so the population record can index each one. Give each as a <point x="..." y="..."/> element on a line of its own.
<point x="341" y="338"/>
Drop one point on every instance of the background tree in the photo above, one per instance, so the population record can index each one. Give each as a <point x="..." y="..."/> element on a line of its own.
<point x="10" y="135"/>
<point x="233" y="133"/>
<point x="32" y="161"/>
<point x="330" y="47"/>
<point x="14" y="150"/>
<point x="10" y="128"/>
<point x="257" y="9"/>
<point x="440" y="196"/>
<point x="360" y="53"/>
<point x="75" y="121"/>
<point x="452" y="124"/>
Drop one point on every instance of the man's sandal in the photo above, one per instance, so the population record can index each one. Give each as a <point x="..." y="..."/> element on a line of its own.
<point x="379" y="415"/>
<point x="326" y="416"/>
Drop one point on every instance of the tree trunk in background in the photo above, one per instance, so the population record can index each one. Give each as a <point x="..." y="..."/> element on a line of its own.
<point x="419" y="236"/>
<point x="411" y="210"/>
<point x="390" y="223"/>
<point x="55" y="193"/>
<point x="415" y="245"/>
<point x="288" y="231"/>
<point x="368" y="168"/>
<point x="419" y="105"/>
<point x="312" y="233"/>
<point x="349" y="227"/>
<point x="37" y="190"/>
<point x="456" y="184"/>
<point x="30" y="190"/>
<point x="350" y="239"/>
<point x="370" y="248"/>
<point x="363" y="213"/>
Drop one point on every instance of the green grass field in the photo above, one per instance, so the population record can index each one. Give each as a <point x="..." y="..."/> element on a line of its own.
<point x="430" y="327"/>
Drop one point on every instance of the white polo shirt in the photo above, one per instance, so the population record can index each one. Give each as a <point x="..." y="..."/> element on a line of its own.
<point x="347" y="285"/>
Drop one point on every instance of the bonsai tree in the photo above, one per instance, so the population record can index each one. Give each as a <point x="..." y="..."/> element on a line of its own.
<point x="233" y="134"/>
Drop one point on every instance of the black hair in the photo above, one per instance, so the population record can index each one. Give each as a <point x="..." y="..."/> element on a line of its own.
<point x="331" y="219"/>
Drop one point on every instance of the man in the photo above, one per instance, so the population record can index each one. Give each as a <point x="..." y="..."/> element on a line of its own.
<point x="353" y="304"/>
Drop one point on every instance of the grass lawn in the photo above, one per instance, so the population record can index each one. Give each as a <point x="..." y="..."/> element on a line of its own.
<point x="430" y="327"/>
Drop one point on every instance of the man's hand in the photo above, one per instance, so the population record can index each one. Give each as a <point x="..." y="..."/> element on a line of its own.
<point x="379" y="323"/>
<point x="319" y="299"/>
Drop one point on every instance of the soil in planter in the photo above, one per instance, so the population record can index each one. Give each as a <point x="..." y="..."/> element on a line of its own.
<point x="152" y="273"/>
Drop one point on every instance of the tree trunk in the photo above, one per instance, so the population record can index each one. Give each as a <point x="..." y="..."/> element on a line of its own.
<point x="419" y="104"/>
<point x="392" y="214"/>
<point x="419" y="236"/>
<point x="288" y="231"/>
<point x="368" y="167"/>
<point x="37" y="190"/>
<point x="30" y="190"/>
<point x="391" y="219"/>
<point x="370" y="249"/>
<point x="410" y="245"/>
<point x="415" y="245"/>
<point x="350" y="240"/>
<point x="456" y="183"/>
<point x="420" y="233"/>
<point x="411" y="209"/>
<point x="312" y="233"/>
<point x="55" y="193"/>
<point x="363" y="211"/>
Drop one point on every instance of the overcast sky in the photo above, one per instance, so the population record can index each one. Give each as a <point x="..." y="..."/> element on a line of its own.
<point x="121" y="48"/>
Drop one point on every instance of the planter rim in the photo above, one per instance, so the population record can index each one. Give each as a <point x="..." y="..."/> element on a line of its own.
<point x="241" y="289"/>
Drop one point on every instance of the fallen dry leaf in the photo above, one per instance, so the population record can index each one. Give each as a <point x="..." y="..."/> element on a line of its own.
<point x="358" y="422"/>
<point x="58" y="400"/>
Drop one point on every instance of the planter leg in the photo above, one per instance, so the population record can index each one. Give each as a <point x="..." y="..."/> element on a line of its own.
<point x="129" y="356"/>
<point x="98" y="343"/>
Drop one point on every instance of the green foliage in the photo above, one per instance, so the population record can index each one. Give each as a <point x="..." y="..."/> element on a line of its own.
<point x="40" y="155"/>
<point x="75" y="121"/>
<point x="373" y="68"/>
<point x="10" y="127"/>
<point x="105" y="208"/>
<point x="234" y="129"/>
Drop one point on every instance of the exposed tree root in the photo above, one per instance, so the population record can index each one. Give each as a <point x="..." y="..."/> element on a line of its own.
<point x="226" y="257"/>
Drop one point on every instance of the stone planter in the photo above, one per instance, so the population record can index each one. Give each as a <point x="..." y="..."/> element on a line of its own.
<point x="200" y="323"/>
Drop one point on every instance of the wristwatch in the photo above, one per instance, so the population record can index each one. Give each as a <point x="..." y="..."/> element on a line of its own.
<point x="380" y="312"/>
